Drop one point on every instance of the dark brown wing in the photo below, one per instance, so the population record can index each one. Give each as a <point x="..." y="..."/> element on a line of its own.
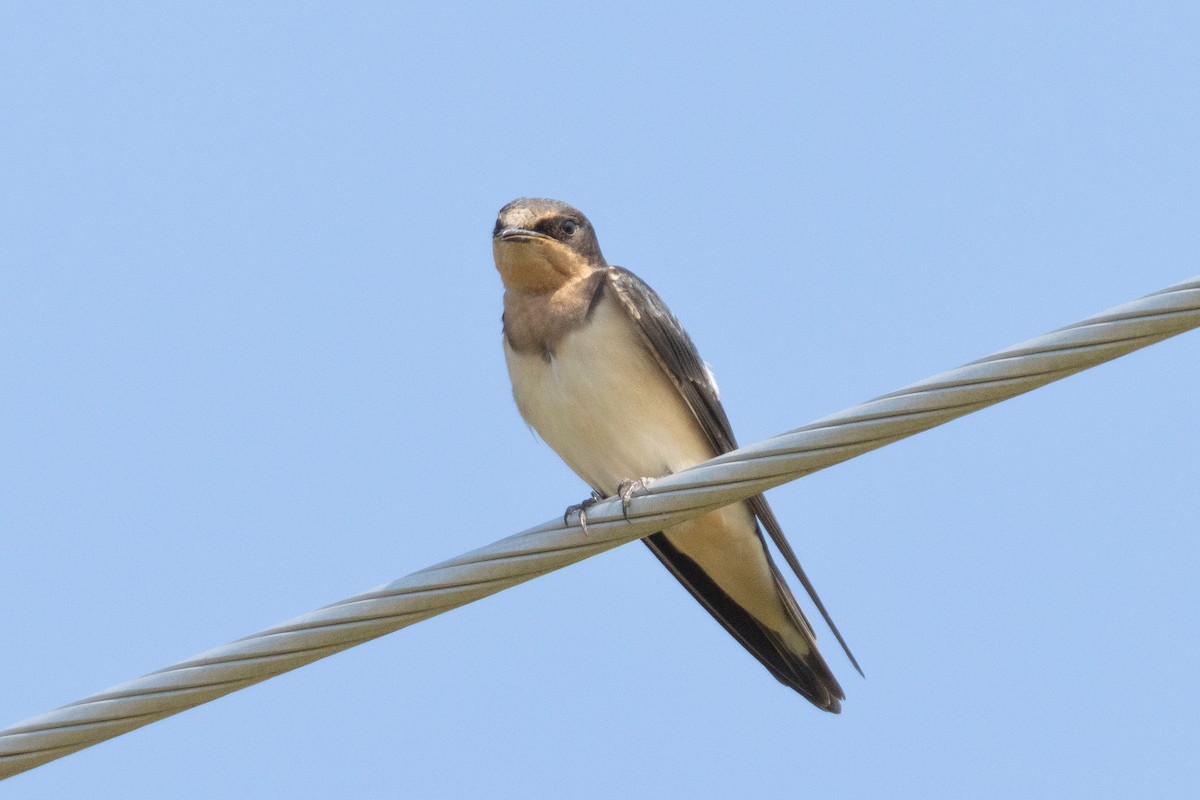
<point x="679" y="358"/>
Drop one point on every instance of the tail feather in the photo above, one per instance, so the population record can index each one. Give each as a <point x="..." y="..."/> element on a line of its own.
<point x="805" y="672"/>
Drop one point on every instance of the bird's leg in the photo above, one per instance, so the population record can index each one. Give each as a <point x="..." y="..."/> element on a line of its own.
<point x="581" y="510"/>
<point x="625" y="490"/>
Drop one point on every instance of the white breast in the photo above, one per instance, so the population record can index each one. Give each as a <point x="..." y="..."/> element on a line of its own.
<point x="604" y="404"/>
<point x="607" y="408"/>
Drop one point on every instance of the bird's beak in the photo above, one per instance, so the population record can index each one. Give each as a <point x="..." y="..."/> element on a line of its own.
<point x="515" y="234"/>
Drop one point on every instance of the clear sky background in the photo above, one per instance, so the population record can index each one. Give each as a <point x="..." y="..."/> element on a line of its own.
<point x="250" y="364"/>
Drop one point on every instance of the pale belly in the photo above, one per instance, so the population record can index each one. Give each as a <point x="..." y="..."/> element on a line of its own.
<point x="607" y="408"/>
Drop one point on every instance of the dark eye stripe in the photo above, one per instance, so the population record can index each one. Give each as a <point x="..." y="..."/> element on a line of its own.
<point x="546" y="226"/>
<point x="556" y="227"/>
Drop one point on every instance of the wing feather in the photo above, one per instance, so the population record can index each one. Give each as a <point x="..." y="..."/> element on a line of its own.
<point x="680" y="360"/>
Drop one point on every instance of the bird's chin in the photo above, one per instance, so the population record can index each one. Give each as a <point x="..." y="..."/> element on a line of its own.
<point x="528" y="264"/>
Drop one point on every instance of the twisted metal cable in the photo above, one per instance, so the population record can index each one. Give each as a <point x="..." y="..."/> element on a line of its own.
<point x="734" y="476"/>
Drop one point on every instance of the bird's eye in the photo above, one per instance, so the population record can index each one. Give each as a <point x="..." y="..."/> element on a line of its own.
<point x="569" y="227"/>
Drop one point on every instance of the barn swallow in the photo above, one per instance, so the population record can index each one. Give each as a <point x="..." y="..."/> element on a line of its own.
<point x="605" y="374"/>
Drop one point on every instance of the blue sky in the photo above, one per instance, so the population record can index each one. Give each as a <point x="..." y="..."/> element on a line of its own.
<point x="250" y="365"/>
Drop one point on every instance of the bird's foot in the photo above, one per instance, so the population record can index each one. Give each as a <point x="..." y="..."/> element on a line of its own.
<point x="625" y="490"/>
<point x="581" y="509"/>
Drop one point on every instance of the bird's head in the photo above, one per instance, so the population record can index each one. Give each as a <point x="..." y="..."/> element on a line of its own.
<point x="540" y="244"/>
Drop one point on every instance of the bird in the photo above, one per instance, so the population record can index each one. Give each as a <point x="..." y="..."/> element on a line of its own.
<point x="604" y="373"/>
